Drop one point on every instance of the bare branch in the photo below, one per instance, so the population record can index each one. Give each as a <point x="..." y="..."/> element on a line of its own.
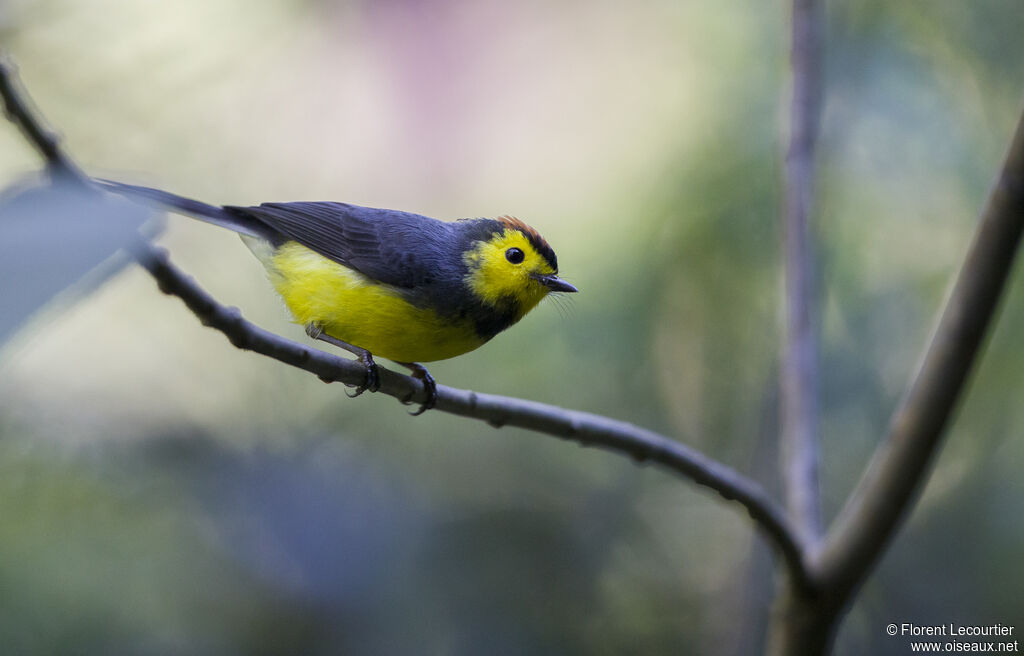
<point x="585" y="428"/>
<point x="18" y="111"/>
<point x="799" y="370"/>
<point x="900" y="465"/>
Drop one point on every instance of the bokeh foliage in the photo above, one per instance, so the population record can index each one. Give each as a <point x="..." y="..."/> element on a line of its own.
<point x="163" y="492"/>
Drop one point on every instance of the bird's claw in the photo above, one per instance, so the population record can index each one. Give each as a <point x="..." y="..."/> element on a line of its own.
<point x="429" y="384"/>
<point x="372" y="381"/>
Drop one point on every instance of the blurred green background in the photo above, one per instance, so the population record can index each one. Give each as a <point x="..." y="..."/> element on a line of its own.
<point x="162" y="492"/>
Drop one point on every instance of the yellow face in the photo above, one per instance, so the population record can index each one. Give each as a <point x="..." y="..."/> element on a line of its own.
<point x="507" y="267"/>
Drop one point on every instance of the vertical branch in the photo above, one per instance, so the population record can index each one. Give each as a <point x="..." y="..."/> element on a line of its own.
<point x="799" y="411"/>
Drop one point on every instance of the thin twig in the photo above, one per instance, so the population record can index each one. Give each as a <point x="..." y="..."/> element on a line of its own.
<point x="799" y="370"/>
<point x="585" y="428"/>
<point x="900" y="465"/>
<point x="18" y="111"/>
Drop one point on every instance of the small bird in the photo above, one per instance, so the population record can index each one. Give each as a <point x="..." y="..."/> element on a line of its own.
<point x="386" y="283"/>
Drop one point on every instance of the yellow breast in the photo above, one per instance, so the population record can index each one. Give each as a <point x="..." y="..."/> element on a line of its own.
<point x="351" y="307"/>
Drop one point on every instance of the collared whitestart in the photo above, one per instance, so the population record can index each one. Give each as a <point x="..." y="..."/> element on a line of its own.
<point x="386" y="283"/>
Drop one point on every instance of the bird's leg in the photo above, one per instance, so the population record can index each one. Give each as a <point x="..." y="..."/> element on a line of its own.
<point x="372" y="376"/>
<point x="420" y="372"/>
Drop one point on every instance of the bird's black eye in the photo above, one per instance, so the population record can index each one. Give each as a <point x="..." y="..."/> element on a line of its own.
<point x="514" y="255"/>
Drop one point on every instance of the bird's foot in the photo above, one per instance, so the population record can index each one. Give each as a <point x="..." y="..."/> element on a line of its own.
<point x="372" y="382"/>
<point x="420" y="372"/>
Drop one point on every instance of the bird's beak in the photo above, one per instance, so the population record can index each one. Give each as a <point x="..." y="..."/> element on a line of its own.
<point x="555" y="284"/>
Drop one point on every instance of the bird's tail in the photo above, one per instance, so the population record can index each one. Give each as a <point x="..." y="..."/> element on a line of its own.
<point x="218" y="216"/>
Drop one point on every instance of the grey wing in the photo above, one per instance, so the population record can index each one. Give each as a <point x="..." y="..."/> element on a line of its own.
<point x="396" y="248"/>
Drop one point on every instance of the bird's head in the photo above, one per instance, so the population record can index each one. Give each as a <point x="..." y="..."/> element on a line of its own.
<point x="512" y="265"/>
